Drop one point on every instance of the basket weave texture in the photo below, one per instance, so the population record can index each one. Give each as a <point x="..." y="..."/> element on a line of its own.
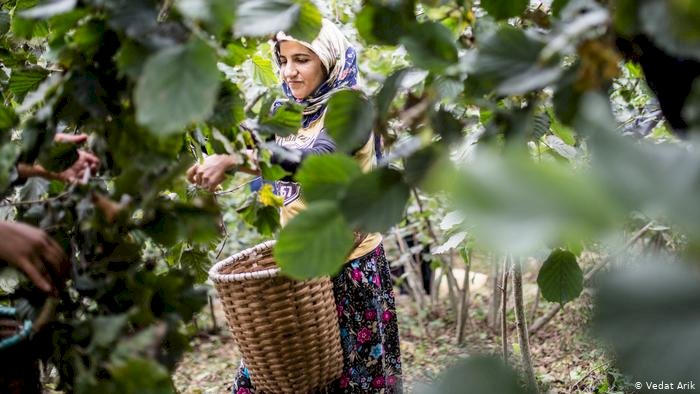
<point x="286" y="330"/>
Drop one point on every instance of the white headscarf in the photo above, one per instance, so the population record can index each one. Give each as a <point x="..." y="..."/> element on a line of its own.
<point x="339" y="60"/>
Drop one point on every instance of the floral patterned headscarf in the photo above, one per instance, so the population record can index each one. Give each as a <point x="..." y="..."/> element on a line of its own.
<point x="339" y="60"/>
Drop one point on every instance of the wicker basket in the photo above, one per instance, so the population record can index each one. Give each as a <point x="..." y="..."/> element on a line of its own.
<point x="286" y="330"/>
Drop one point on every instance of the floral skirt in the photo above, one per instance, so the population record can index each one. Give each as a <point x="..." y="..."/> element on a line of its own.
<point x="368" y="330"/>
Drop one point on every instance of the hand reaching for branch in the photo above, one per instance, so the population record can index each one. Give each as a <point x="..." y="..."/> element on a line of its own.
<point x="35" y="253"/>
<point x="75" y="173"/>
<point x="212" y="171"/>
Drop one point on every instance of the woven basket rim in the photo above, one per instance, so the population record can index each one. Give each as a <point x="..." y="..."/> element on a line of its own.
<point x="216" y="275"/>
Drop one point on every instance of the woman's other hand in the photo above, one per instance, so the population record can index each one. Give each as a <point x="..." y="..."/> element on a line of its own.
<point x="76" y="172"/>
<point x="212" y="171"/>
<point x="35" y="253"/>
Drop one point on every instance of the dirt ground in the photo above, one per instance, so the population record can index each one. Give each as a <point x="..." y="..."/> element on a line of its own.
<point x="565" y="359"/>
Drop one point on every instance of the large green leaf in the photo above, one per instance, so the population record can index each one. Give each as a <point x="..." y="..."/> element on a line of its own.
<point x="24" y="81"/>
<point x="49" y="9"/>
<point x="389" y="89"/>
<point x="283" y="122"/>
<point x="650" y="314"/>
<point x="673" y="26"/>
<point x="315" y="243"/>
<point x="385" y="24"/>
<point x="560" y="277"/>
<point x="173" y="222"/>
<point x="480" y="374"/>
<point x="431" y="46"/>
<point x="218" y="15"/>
<point x="326" y="177"/>
<point x="349" y="120"/>
<point x="503" y="9"/>
<point x="508" y="60"/>
<point x="375" y="201"/>
<point x="299" y="18"/>
<point x="140" y="375"/>
<point x="263" y="72"/>
<point x="178" y="87"/>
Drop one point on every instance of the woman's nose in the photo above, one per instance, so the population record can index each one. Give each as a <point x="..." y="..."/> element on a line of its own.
<point x="289" y="70"/>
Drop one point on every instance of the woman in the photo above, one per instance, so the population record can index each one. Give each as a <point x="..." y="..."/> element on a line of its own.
<point x="311" y="72"/>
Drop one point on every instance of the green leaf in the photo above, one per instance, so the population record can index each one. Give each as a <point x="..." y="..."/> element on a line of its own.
<point x="229" y="109"/>
<point x="430" y="46"/>
<point x="308" y="23"/>
<point x="8" y="160"/>
<point x="49" y="9"/>
<point x="285" y="121"/>
<point x="508" y="60"/>
<point x="218" y="15"/>
<point x="107" y="329"/>
<point x="388" y="91"/>
<point x="482" y="374"/>
<point x="272" y="172"/>
<point x="629" y="306"/>
<point x="29" y="28"/>
<point x="385" y="24"/>
<point x="142" y="376"/>
<point x="447" y="126"/>
<point x="326" y="177"/>
<point x="238" y="52"/>
<point x="567" y="97"/>
<point x="560" y="278"/>
<point x="58" y="156"/>
<point x="314" y="243"/>
<point x="349" y="120"/>
<point x="4" y="22"/>
<point x="558" y="5"/>
<point x="131" y="58"/>
<point x="263" y="72"/>
<point x="173" y="222"/>
<point x="420" y="164"/>
<point x="24" y="81"/>
<point x="197" y="262"/>
<point x="375" y="201"/>
<point x="8" y="118"/>
<point x="673" y="25"/>
<point x="299" y="18"/>
<point x="503" y="9"/>
<point x="178" y="87"/>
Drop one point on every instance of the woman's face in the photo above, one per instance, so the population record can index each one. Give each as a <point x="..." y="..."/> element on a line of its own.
<point x="301" y="68"/>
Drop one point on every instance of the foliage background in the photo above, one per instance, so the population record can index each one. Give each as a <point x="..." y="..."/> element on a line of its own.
<point x="532" y="120"/>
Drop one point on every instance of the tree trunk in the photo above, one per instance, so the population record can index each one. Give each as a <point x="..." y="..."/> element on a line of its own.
<point x="521" y="324"/>
<point x="504" y="302"/>
<point x="463" y="315"/>
<point x="535" y="305"/>
<point x="495" y="295"/>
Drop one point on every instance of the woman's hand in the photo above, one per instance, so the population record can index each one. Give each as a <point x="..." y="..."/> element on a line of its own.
<point x="212" y="171"/>
<point x="35" y="253"/>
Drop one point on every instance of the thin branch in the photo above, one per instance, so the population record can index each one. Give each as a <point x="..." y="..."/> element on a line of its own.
<point x="236" y="188"/>
<point x="32" y="202"/>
